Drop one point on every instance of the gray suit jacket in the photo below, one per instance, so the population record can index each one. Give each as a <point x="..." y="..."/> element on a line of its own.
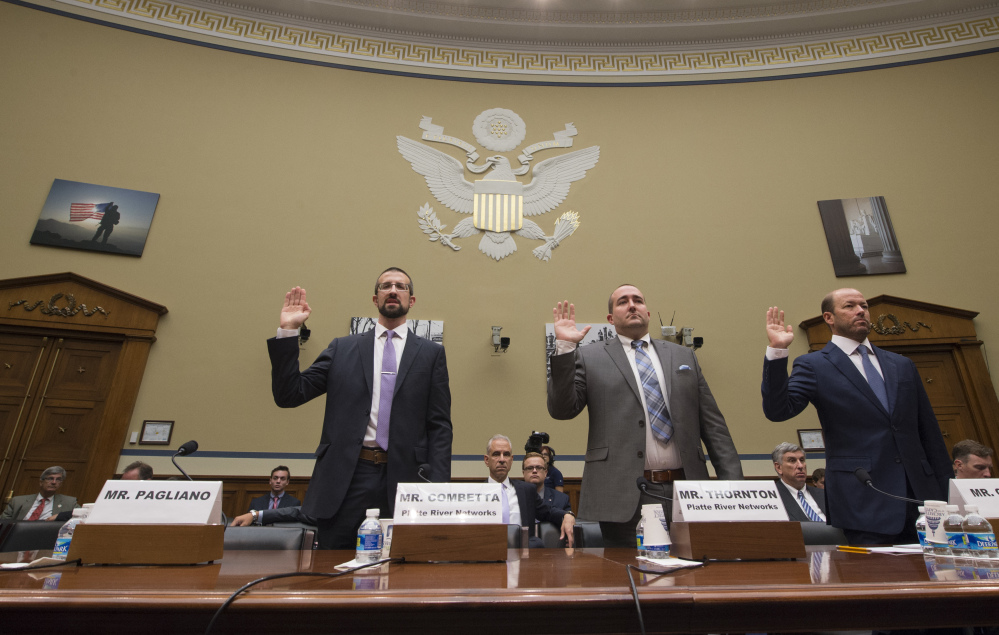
<point x="600" y="377"/>
<point x="794" y="510"/>
<point x="19" y="506"/>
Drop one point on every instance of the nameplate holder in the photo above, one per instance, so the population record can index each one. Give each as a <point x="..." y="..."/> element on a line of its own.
<point x="449" y="522"/>
<point x="726" y="501"/>
<point x="983" y="492"/>
<point x="158" y="503"/>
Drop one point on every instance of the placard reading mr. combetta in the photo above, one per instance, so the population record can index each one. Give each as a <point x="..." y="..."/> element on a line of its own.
<point x="727" y="500"/>
<point x="158" y="503"/>
<point x="445" y="503"/>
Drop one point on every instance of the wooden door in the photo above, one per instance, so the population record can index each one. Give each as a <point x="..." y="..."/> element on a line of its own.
<point x="53" y="392"/>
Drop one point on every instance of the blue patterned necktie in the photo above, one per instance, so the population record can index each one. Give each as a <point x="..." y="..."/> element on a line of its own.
<point x="662" y="427"/>
<point x="874" y="377"/>
<point x="812" y="515"/>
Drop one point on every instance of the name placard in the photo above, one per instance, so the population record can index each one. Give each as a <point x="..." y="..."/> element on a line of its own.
<point x="448" y="503"/>
<point x="695" y="501"/>
<point x="983" y="492"/>
<point x="158" y="503"/>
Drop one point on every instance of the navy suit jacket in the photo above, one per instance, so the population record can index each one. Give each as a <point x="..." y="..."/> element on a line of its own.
<point x="260" y="503"/>
<point x="557" y="499"/>
<point x="421" y="412"/>
<point x="900" y="446"/>
<point x="794" y="510"/>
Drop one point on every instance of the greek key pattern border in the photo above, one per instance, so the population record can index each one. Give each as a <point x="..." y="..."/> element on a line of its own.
<point x="369" y="49"/>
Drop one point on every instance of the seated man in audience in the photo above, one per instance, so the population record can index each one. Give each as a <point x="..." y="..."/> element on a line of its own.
<point x="137" y="471"/>
<point x="277" y="498"/>
<point x="803" y="502"/>
<point x="534" y="469"/>
<point x="271" y="516"/>
<point x="521" y="503"/>
<point x="47" y="504"/>
<point x="972" y="460"/>
<point x="819" y="478"/>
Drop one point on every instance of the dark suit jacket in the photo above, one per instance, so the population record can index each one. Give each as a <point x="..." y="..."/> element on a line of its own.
<point x="599" y="376"/>
<point x="19" y="506"/>
<point x="421" y="412"/>
<point x="557" y="499"/>
<point x="260" y="503"/>
<point x="902" y="447"/>
<point x="285" y="515"/>
<point x="794" y="510"/>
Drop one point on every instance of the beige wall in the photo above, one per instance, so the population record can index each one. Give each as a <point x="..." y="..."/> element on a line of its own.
<point x="273" y="174"/>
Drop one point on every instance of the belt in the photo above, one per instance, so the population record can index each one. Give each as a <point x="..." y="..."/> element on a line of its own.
<point x="665" y="476"/>
<point x="375" y="455"/>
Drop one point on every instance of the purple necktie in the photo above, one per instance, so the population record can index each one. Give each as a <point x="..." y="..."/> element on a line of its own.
<point x="387" y="391"/>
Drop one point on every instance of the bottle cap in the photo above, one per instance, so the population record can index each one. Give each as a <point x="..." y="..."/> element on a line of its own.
<point x="971" y="509"/>
<point x="372" y="512"/>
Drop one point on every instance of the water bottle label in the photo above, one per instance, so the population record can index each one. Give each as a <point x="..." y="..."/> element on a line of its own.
<point x="638" y="539"/>
<point x="61" y="548"/>
<point x="922" y="537"/>
<point x="369" y="542"/>
<point x="658" y="549"/>
<point x="956" y="539"/>
<point x="981" y="542"/>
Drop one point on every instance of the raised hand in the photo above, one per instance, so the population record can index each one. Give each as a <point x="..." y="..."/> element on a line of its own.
<point x="565" y="323"/>
<point x="295" y="310"/>
<point x="780" y="335"/>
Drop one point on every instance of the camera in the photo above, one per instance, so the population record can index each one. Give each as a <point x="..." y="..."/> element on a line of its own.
<point x="535" y="441"/>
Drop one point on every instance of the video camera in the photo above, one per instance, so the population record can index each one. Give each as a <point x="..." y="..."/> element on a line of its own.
<point x="535" y="441"/>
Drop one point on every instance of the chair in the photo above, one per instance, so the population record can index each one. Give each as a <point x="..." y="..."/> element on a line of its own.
<point x="246" y="538"/>
<point x="822" y="534"/>
<point x="587" y="534"/>
<point x="29" y="535"/>
<point x="513" y="540"/>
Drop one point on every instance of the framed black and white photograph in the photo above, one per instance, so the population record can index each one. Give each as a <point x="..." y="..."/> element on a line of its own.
<point x="95" y="218"/>
<point x="156" y="433"/>
<point x="811" y="440"/>
<point x="860" y="236"/>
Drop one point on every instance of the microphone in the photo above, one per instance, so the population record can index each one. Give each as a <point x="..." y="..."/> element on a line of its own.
<point x="865" y="478"/>
<point x="188" y="448"/>
<point x="643" y="484"/>
<point x="422" y="470"/>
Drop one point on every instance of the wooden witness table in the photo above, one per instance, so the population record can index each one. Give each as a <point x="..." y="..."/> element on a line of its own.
<point x="541" y="591"/>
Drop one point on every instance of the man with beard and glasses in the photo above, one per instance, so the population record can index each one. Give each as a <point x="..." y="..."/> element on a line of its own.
<point x="388" y="409"/>
<point x="874" y="414"/>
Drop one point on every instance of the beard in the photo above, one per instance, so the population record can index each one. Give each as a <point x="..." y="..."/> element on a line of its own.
<point x="394" y="311"/>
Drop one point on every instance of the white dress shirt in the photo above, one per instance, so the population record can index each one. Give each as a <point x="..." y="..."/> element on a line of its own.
<point x="511" y="499"/>
<point x="808" y="497"/>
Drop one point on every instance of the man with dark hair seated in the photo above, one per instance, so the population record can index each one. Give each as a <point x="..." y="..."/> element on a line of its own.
<point x="972" y="459"/>
<point x="277" y="497"/>
<point x="137" y="471"/>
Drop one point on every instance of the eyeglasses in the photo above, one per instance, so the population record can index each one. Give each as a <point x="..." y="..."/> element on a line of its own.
<point x="535" y="468"/>
<point x="388" y="286"/>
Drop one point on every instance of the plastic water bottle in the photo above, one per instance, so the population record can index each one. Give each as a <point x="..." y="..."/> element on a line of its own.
<point x="981" y="544"/>
<point x="954" y="526"/>
<point x="921" y="532"/>
<point x="640" y="536"/>
<point x="65" y="535"/>
<point x="656" y="540"/>
<point x="369" y="539"/>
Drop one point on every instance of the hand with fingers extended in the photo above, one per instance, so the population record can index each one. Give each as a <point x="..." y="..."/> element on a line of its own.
<point x="565" y="323"/>
<point x="780" y="335"/>
<point x="296" y="310"/>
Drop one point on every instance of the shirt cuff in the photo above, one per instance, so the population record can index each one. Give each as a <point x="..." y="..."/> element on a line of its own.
<point x="283" y="333"/>
<point x="563" y="346"/>
<point x="776" y="353"/>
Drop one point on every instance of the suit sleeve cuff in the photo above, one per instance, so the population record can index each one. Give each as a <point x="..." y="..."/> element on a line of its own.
<point x="776" y="353"/>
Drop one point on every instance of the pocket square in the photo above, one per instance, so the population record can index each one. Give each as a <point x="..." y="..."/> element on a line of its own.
<point x="682" y="368"/>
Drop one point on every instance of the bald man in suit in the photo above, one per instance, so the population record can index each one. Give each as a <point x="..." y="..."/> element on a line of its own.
<point x="674" y="399"/>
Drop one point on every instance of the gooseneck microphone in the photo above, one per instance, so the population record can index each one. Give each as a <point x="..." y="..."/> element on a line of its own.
<point x="188" y="448"/>
<point x="865" y="478"/>
<point x="643" y="484"/>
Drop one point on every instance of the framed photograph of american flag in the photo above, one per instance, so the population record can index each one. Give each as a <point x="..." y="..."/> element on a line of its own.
<point x="95" y="218"/>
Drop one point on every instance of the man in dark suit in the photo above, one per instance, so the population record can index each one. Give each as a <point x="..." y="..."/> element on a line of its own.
<point x="625" y="387"/>
<point x="388" y="409"/>
<point x="535" y="469"/>
<point x="47" y="504"/>
<point x="277" y="498"/>
<point x="803" y="502"/>
<point x="529" y="506"/>
<point x="874" y="414"/>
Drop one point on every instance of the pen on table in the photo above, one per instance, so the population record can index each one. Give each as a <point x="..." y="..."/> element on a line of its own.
<point x="849" y="549"/>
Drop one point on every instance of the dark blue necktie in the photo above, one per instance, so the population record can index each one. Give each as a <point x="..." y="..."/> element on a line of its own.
<point x="662" y="427"/>
<point x="874" y="378"/>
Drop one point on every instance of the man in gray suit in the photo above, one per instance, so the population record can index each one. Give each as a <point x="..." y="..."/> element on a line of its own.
<point x="46" y="504"/>
<point x="802" y="501"/>
<point x="625" y="387"/>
